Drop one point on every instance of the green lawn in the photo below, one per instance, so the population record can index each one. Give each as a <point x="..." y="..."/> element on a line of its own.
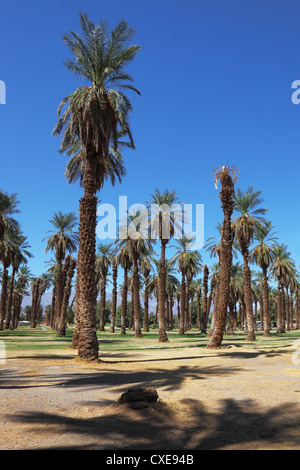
<point x="26" y="338"/>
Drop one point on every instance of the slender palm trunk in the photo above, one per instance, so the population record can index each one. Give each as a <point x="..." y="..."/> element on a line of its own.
<point x="205" y="291"/>
<point x="114" y="297"/>
<point x="136" y="298"/>
<point x="9" y="299"/>
<point x="102" y="303"/>
<point x="3" y="295"/>
<point x="267" y="319"/>
<point x="182" y="304"/>
<point x="146" y="308"/>
<point x="124" y="303"/>
<point x="248" y="294"/>
<point x="162" y="335"/>
<point x="66" y="297"/>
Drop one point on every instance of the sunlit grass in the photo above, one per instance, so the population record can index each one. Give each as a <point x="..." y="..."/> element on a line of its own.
<point x="27" y="338"/>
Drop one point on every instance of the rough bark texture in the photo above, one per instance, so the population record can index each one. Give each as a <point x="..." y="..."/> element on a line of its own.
<point x="248" y="294"/>
<point x="205" y="292"/>
<point x="66" y="297"/>
<point x="226" y="196"/>
<point x="9" y="300"/>
<point x="182" y="304"/>
<point x="136" y="299"/>
<point x="114" y="297"/>
<point x="267" y="319"/>
<point x="87" y="299"/>
<point x="162" y="335"/>
<point x="3" y="295"/>
<point x="124" y="303"/>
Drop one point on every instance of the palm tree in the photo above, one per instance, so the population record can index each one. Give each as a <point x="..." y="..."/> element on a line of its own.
<point x="163" y="226"/>
<point x="103" y="262"/>
<point x="263" y="254"/>
<point x="146" y="270"/>
<point x="138" y="246"/>
<point x="125" y="261"/>
<point x="94" y="113"/>
<point x="188" y="263"/>
<point x="20" y="290"/>
<point x="70" y="263"/>
<point x="19" y="255"/>
<point x="6" y="249"/>
<point x="62" y="240"/>
<point x="247" y="204"/>
<point x="282" y="264"/>
<point x="227" y="177"/>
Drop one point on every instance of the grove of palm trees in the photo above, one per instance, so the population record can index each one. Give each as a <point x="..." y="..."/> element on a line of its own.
<point x="214" y="331"/>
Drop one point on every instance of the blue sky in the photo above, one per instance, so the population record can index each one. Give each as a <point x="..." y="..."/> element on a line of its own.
<point x="215" y="78"/>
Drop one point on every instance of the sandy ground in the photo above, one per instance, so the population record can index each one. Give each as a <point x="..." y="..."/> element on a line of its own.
<point x="230" y="398"/>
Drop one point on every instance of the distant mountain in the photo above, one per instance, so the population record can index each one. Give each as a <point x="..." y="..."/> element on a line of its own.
<point x="47" y="299"/>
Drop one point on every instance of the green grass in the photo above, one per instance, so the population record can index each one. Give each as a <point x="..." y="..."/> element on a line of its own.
<point x="26" y="338"/>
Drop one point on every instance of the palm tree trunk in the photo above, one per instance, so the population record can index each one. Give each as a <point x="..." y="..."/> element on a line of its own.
<point x="226" y="196"/>
<point x="9" y="299"/>
<point x="3" y="295"/>
<point x="102" y="303"/>
<point x="162" y="334"/>
<point x="114" y="297"/>
<point x="88" y="344"/>
<point x="136" y="299"/>
<point x="248" y="295"/>
<point x="182" y="304"/>
<point x="65" y="302"/>
<point x="267" y="319"/>
<point x="124" y="303"/>
<point x="205" y="291"/>
<point x="146" y="308"/>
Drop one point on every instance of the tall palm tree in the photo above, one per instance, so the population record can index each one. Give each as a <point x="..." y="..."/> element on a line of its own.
<point x="70" y="263"/>
<point x="103" y="262"/>
<point x="138" y="246"/>
<point x="227" y="177"/>
<point x="188" y="262"/>
<point x="61" y="240"/>
<point x="163" y="226"/>
<point x="94" y="113"/>
<point x="247" y="205"/>
<point x="19" y="255"/>
<point x="125" y="261"/>
<point x="262" y="253"/>
<point x="282" y="264"/>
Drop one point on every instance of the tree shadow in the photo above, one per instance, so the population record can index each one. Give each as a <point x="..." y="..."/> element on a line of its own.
<point x="188" y="425"/>
<point x="169" y="379"/>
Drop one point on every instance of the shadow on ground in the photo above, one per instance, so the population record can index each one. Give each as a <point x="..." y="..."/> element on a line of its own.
<point x="186" y="425"/>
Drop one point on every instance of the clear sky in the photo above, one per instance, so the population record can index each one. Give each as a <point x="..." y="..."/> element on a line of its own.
<point x="215" y="78"/>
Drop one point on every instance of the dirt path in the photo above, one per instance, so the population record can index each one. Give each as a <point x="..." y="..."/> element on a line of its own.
<point x="226" y="399"/>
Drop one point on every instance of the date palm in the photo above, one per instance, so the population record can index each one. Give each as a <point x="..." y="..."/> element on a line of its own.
<point x="93" y="114"/>
<point x="262" y="254"/>
<point x="125" y="261"/>
<point x="165" y="210"/>
<point x="227" y="177"/>
<point x="248" y="205"/>
<point x="61" y="240"/>
<point x="19" y="255"/>
<point x="188" y="263"/>
<point x="103" y="263"/>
